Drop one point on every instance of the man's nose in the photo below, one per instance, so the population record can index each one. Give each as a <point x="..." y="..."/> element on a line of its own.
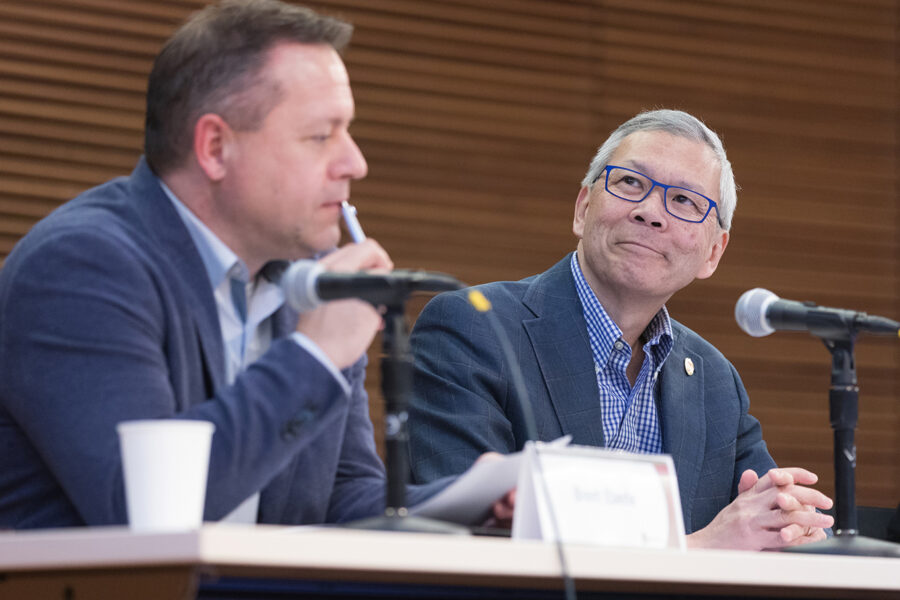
<point x="652" y="209"/>
<point x="351" y="163"/>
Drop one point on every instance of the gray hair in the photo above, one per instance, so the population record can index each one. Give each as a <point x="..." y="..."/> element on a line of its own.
<point x="680" y="124"/>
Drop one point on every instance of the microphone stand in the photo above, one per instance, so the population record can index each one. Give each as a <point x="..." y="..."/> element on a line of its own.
<point x="396" y="385"/>
<point x="843" y="399"/>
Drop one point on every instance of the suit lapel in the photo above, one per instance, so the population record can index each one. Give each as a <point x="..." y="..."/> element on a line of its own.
<point x="558" y="336"/>
<point x="680" y="401"/>
<point x="162" y="223"/>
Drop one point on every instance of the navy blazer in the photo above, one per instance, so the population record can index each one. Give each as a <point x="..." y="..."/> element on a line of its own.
<point x="465" y="403"/>
<point x="107" y="314"/>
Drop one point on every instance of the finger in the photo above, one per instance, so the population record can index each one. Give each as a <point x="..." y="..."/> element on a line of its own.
<point x="793" y="535"/>
<point x="781" y="477"/>
<point x="807" y="518"/>
<point x="504" y="508"/>
<point x="779" y="519"/>
<point x="816" y="535"/>
<point x="774" y="478"/>
<point x="792" y="532"/>
<point x="748" y="480"/>
<point x="769" y="539"/>
<point x="371" y="256"/>
<point x="376" y="257"/>
<point x="503" y="511"/>
<point x="800" y="499"/>
<point x="799" y="475"/>
<point x="788" y="502"/>
<point x="804" y="495"/>
<point x="366" y="255"/>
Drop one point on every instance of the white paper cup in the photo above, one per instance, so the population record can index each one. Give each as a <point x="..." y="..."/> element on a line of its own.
<point x="165" y="463"/>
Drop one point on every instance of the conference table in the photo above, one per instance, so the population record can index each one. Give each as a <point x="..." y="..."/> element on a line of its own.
<point x="261" y="562"/>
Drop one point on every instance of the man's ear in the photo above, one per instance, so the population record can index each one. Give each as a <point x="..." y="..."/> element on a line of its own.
<point x="715" y="255"/>
<point x="211" y="136"/>
<point x="581" y="205"/>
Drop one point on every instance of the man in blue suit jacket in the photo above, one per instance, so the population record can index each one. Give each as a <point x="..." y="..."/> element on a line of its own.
<point x="156" y="295"/>
<point x="600" y="356"/>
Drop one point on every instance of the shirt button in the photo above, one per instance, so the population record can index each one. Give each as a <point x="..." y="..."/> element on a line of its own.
<point x="619" y="345"/>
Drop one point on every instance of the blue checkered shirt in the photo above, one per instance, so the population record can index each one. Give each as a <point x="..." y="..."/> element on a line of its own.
<point x="630" y="418"/>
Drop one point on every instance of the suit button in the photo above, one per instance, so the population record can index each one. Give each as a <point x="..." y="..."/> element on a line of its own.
<point x="292" y="428"/>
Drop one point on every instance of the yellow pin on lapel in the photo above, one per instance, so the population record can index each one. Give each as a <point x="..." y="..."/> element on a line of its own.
<point x="688" y="366"/>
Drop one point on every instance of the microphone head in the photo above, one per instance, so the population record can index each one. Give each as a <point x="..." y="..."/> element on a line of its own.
<point x="750" y="311"/>
<point x="299" y="285"/>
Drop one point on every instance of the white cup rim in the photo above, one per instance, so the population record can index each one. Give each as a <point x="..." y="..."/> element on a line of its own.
<point x="139" y="424"/>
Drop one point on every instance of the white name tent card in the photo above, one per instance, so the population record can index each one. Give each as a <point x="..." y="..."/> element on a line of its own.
<point x="587" y="495"/>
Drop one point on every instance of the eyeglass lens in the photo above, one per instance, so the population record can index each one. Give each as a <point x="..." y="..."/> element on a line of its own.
<point x="634" y="186"/>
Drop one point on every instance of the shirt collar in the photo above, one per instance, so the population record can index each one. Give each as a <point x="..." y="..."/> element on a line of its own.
<point x="603" y="331"/>
<point x="219" y="260"/>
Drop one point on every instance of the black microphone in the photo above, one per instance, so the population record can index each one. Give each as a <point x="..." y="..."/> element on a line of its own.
<point x="307" y="285"/>
<point x="759" y="312"/>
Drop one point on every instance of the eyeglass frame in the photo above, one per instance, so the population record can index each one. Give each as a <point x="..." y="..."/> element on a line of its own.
<point x="665" y="188"/>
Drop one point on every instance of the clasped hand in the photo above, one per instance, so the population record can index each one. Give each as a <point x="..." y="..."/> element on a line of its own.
<point x="770" y="512"/>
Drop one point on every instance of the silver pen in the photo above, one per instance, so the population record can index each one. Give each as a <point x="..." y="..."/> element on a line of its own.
<point x="353" y="226"/>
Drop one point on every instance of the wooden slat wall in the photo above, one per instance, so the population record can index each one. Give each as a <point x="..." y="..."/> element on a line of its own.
<point x="479" y="118"/>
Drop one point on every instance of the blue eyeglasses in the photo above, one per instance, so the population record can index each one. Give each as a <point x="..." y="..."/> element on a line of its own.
<point x="634" y="186"/>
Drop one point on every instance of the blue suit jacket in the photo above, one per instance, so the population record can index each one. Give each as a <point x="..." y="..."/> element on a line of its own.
<point x="465" y="403"/>
<point x="107" y="314"/>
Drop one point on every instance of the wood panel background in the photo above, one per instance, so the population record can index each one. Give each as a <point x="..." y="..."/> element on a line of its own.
<point x="479" y="118"/>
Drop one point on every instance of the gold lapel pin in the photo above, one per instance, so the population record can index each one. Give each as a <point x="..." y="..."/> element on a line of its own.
<point x="688" y="366"/>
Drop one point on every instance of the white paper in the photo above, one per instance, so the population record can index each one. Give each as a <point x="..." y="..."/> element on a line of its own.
<point x="468" y="500"/>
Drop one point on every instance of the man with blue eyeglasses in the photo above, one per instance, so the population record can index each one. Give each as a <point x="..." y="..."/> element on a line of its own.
<point x="602" y="359"/>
